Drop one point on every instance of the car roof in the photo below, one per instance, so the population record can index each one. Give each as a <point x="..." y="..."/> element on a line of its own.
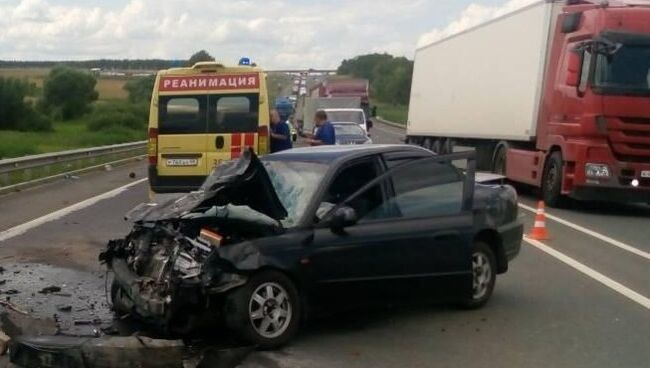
<point x="331" y="153"/>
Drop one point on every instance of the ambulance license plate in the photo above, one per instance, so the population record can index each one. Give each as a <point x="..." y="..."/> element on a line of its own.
<point x="645" y="174"/>
<point x="182" y="162"/>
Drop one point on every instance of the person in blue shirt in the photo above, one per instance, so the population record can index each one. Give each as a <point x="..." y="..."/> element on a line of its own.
<point x="325" y="134"/>
<point x="280" y="134"/>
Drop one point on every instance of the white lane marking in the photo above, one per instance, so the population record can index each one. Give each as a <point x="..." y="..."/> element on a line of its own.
<point x="23" y="228"/>
<point x="596" y="235"/>
<point x="614" y="285"/>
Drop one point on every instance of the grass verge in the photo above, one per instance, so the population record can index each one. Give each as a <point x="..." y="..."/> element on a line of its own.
<point x="395" y="113"/>
<point x="66" y="135"/>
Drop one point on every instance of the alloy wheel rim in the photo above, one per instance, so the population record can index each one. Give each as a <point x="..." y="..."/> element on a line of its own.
<point x="482" y="274"/>
<point x="269" y="310"/>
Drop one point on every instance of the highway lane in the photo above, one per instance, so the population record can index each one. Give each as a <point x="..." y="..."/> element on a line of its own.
<point x="543" y="313"/>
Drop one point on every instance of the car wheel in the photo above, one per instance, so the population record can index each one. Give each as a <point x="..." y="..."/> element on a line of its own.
<point x="552" y="180"/>
<point x="265" y="311"/>
<point x="484" y="273"/>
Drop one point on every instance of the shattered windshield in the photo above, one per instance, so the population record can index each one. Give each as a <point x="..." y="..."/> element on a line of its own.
<point x="627" y="71"/>
<point x="295" y="183"/>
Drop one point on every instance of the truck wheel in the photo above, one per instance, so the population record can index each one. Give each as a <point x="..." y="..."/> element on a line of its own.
<point x="552" y="180"/>
<point x="499" y="162"/>
<point x="447" y="146"/>
<point x="436" y="146"/>
<point x="265" y="311"/>
<point x="484" y="273"/>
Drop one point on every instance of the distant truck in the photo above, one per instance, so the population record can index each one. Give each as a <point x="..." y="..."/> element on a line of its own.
<point x="345" y="87"/>
<point x="555" y="95"/>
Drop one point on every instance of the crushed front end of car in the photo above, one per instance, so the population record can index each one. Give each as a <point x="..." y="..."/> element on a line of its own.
<point x="170" y="267"/>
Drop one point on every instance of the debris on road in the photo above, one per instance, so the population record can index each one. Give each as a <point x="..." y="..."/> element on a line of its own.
<point x="49" y="290"/>
<point x="104" y="352"/>
<point x="4" y="342"/>
<point x="108" y="167"/>
<point x="64" y="308"/>
<point x="132" y="175"/>
<point x="7" y="304"/>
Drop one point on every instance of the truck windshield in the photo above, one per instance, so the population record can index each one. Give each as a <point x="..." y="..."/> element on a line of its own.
<point x="625" y="72"/>
<point x="351" y="116"/>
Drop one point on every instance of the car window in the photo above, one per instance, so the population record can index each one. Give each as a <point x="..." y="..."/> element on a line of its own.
<point x="348" y="129"/>
<point x="233" y="114"/>
<point x="425" y="189"/>
<point x="182" y="115"/>
<point x="351" y="179"/>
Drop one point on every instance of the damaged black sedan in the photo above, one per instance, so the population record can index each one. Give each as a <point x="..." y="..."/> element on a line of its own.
<point x="266" y="240"/>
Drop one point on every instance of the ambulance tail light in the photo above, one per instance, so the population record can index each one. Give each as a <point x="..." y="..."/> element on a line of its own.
<point x="262" y="139"/>
<point x="152" y="146"/>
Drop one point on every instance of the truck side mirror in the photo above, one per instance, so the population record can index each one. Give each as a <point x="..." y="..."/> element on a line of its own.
<point x="573" y="72"/>
<point x="368" y="124"/>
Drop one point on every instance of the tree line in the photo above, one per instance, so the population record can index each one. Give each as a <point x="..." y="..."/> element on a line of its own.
<point x="389" y="76"/>
<point x="118" y="64"/>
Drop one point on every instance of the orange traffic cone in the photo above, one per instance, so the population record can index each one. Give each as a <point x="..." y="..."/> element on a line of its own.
<point x="539" y="229"/>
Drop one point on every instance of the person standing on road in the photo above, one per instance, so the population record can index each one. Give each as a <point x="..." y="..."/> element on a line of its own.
<point x="325" y="134"/>
<point x="280" y="134"/>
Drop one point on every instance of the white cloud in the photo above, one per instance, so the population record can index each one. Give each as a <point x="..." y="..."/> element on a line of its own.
<point x="275" y="33"/>
<point x="473" y="15"/>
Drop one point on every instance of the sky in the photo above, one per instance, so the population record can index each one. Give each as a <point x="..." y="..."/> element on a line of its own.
<point x="274" y="33"/>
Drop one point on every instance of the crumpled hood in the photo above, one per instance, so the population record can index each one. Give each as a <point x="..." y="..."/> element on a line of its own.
<point x="242" y="182"/>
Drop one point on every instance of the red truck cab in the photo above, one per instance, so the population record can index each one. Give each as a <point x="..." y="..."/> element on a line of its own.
<point x="593" y="133"/>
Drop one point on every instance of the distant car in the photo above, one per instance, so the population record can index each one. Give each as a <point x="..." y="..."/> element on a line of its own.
<point x="325" y="227"/>
<point x="350" y="133"/>
<point x="347" y="115"/>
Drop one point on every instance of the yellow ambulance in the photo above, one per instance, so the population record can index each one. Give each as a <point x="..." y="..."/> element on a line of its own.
<point x="203" y="115"/>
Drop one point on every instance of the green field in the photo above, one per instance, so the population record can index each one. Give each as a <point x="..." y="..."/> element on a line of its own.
<point x="395" y="113"/>
<point x="66" y="135"/>
<point x="109" y="88"/>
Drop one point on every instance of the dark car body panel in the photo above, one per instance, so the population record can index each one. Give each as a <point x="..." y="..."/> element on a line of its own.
<point x="375" y="259"/>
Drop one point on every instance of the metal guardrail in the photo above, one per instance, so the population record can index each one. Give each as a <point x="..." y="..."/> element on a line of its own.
<point x="30" y="168"/>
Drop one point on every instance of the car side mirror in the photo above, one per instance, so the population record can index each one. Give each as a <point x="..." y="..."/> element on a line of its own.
<point x="573" y="70"/>
<point x="342" y="218"/>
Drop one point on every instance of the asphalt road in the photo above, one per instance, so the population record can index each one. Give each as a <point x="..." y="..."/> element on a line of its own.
<point x="577" y="300"/>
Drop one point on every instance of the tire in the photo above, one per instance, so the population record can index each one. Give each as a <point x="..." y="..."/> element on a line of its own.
<point x="499" y="161"/>
<point x="447" y="146"/>
<point x="261" y="320"/>
<point x="436" y="146"/>
<point x="552" y="180"/>
<point x="484" y="273"/>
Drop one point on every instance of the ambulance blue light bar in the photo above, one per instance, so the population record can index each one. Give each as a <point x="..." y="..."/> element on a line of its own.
<point x="244" y="61"/>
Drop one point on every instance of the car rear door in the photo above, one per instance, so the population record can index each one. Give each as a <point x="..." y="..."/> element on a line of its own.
<point x="182" y="128"/>
<point x="233" y="122"/>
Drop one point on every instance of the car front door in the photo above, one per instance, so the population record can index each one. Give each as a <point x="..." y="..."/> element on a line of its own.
<point x="415" y="241"/>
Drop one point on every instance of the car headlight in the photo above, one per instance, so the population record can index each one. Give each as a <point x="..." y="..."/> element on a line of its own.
<point x="597" y="171"/>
